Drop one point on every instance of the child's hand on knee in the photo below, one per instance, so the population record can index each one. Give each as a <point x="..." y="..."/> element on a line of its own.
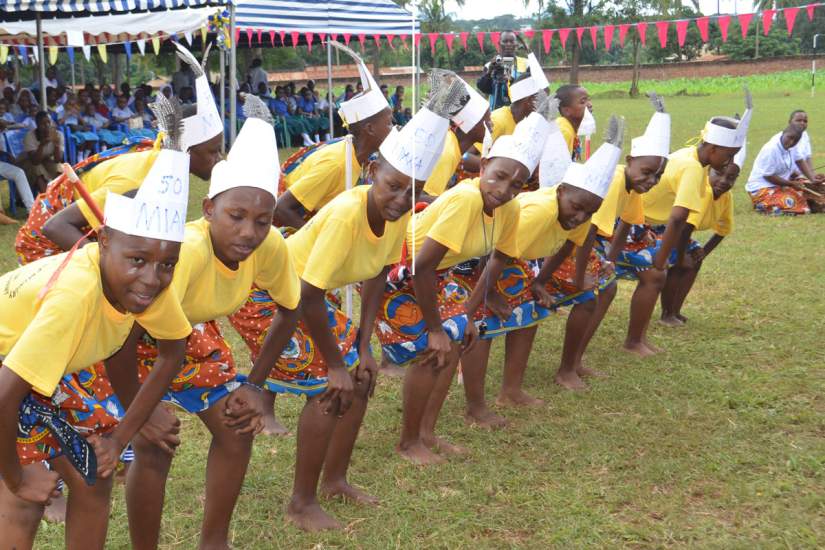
<point x="107" y="451"/>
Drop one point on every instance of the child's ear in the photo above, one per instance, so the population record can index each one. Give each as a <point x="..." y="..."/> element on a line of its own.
<point x="103" y="238"/>
<point x="208" y="208"/>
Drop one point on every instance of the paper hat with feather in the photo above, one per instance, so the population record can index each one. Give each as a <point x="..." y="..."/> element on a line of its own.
<point x="526" y="144"/>
<point x="414" y="150"/>
<point x="369" y="102"/>
<point x="475" y="109"/>
<point x="253" y="159"/>
<point x="555" y="157"/>
<point x="596" y="174"/>
<point x="655" y="142"/>
<point x="532" y="84"/>
<point x="727" y="137"/>
<point x="206" y="123"/>
<point x="158" y="210"/>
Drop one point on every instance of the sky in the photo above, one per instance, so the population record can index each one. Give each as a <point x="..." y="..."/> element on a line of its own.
<point x="485" y="9"/>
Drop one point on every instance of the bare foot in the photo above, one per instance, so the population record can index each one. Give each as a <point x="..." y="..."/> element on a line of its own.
<point x="681" y="317"/>
<point x="347" y="492"/>
<point x="671" y="321"/>
<point x="56" y="511"/>
<point x="436" y="443"/>
<point x="639" y="348"/>
<point x="570" y="381"/>
<point x="310" y="517"/>
<point x="273" y="427"/>
<point x="583" y="371"/>
<point x="419" y="454"/>
<point x="5" y="220"/>
<point x="651" y="347"/>
<point x="391" y="370"/>
<point x="518" y="398"/>
<point x="484" y="418"/>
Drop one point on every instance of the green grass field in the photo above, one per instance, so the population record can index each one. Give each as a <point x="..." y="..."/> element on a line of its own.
<point x="717" y="443"/>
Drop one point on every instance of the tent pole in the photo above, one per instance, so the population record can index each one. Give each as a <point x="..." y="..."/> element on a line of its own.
<point x="72" y="66"/>
<point x="222" y="80"/>
<point x="233" y="71"/>
<point x="41" y="61"/>
<point x="329" y="89"/>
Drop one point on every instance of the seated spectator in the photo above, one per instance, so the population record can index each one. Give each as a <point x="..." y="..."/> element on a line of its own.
<point x="167" y="91"/>
<point x="187" y="95"/>
<point x="6" y="118"/>
<point x="385" y="92"/>
<point x="397" y="100"/>
<point x="107" y="97"/>
<point x="8" y="95"/>
<point x="308" y="109"/>
<point x="295" y="125"/>
<point x="30" y="120"/>
<point x="84" y="97"/>
<point x="6" y="79"/>
<point x="83" y="135"/>
<point x="122" y="113"/>
<point x="13" y="173"/>
<point x="126" y="90"/>
<point x="349" y="91"/>
<point x="99" y="105"/>
<point x="53" y="107"/>
<point x="51" y="77"/>
<point x="262" y="91"/>
<point x="43" y="149"/>
<point x="359" y="88"/>
<point x="92" y="119"/>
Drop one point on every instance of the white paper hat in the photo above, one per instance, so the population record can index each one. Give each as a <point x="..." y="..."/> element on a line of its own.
<point x="415" y="149"/>
<point x="588" y="124"/>
<point x="725" y="137"/>
<point x="531" y="85"/>
<point x="158" y="210"/>
<point x="526" y="144"/>
<point x="206" y="123"/>
<point x="252" y="161"/>
<point x="655" y="142"/>
<point x="475" y="109"/>
<point x="555" y="158"/>
<point x="596" y="174"/>
<point x="740" y="157"/>
<point x="369" y="102"/>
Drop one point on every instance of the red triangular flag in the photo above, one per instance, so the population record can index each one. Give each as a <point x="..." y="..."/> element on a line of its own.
<point x="623" y="28"/>
<point x="744" y="22"/>
<point x="579" y="34"/>
<point x="333" y="36"/>
<point x="260" y="32"/>
<point x="294" y="36"/>
<point x="790" y="18"/>
<point x="389" y="41"/>
<point x="347" y="37"/>
<point x="237" y="36"/>
<point x="681" y="31"/>
<point x="767" y="21"/>
<point x="272" y="38"/>
<point x="495" y="38"/>
<point x="608" y="36"/>
<point x="703" y="23"/>
<point x="594" y="33"/>
<point x="282" y="35"/>
<point x="641" y="28"/>
<point x="433" y="36"/>
<point x="810" y="9"/>
<point x="480" y="38"/>
<point x="249" y="36"/>
<point x="448" y="38"/>
<point x="529" y="33"/>
<point x="463" y="37"/>
<point x="546" y="38"/>
<point x="377" y="39"/>
<point x="724" y="23"/>
<point x="661" y="30"/>
<point x="563" y="34"/>
<point x="362" y="38"/>
<point x="309" y="36"/>
<point x="417" y="39"/>
<point x="403" y="38"/>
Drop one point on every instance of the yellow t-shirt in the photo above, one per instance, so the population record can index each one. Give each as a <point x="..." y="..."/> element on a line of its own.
<point x="715" y="214"/>
<point x="74" y="326"/>
<point x="337" y="247"/>
<point x="457" y="220"/>
<point x="445" y="167"/>
<point x="568" y="132"/>
<point x="209" y="290"/>
<point x="684" y="183"/>
<point x="503" y="123"/>
<point x="119" y="175"/>
<point x="322" y="176"/>
<point x="539" y="232"/>
<point x="618" y="203"/>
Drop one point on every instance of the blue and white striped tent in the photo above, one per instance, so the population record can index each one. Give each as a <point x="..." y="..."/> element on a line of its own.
<point x="369" y="17"/>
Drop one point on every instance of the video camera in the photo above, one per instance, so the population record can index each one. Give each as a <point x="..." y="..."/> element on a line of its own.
<point x="502" y="67"/>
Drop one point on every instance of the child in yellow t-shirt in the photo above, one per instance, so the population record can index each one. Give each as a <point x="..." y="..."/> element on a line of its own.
<point x="574" y="100"/>
<point x="59" y="315"/>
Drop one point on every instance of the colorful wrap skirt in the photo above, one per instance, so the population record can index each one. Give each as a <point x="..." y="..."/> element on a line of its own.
<point x="514" y="284"/>
<point x="301" y="369"/>
<point x="642" y="245"/>
<point x="778" y="201"/>
<point x="49" y="427"/>
<point x="30" y="243"/>
<point x="208" y="374"/>
<point x="400" y="324"/>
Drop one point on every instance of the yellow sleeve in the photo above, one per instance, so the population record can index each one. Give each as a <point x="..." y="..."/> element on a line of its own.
<point x="723" y="225"/>
<point x="605" y="217"/>
<point x="45" y="348"/>
<point x="633" y="212"/>
<point x="320" y="182"/>
<point x="441" y="174"/>
<point x="119" y="185"/>
<point x="579" y="234"/>
<point x="452" y="224"/>
<point x="568" y="132"/>
<point x="278" y="276"/>
<point x="165" y="319"/>
<point x="691" y="190"/>
<point x="330" y="252"/>
<point x="507" y="243"/>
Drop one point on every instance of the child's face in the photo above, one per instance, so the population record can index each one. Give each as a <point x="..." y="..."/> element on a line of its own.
<point x="800" y="120"/>
<point x="135" y="270"/>
<point x="240" y="219"/>
<point x="204" y="156"/>
<point x="642" y="173"/>
<point x="3" y="108"/>
<point x="121" y="102"/>
<point x="391" y="190"/>
<point x="580" y="102"/>
<point x="722" y="182"/>
<point x="501" y="179"/>
<point x="576" y="206"/>
<point x="720" y="156"/>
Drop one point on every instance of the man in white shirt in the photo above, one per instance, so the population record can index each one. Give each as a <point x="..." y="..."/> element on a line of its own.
<point x="257" y="75"/>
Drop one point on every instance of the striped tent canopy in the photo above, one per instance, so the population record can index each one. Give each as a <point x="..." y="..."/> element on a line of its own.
<point x="26" y="9"/>
<point x="324" y="17"/>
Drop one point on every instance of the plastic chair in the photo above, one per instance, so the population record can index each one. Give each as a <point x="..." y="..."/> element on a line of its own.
<point x="14" y="142"/>
<point x="280" y="131"/>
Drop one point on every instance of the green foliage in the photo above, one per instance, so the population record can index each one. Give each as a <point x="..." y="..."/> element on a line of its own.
<point x="776" y="43"/>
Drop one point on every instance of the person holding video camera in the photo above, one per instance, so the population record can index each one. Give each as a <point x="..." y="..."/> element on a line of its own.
<point x="500" y="72"/>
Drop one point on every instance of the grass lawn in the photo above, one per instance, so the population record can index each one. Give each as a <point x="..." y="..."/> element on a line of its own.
<point x="719" y="442"/>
